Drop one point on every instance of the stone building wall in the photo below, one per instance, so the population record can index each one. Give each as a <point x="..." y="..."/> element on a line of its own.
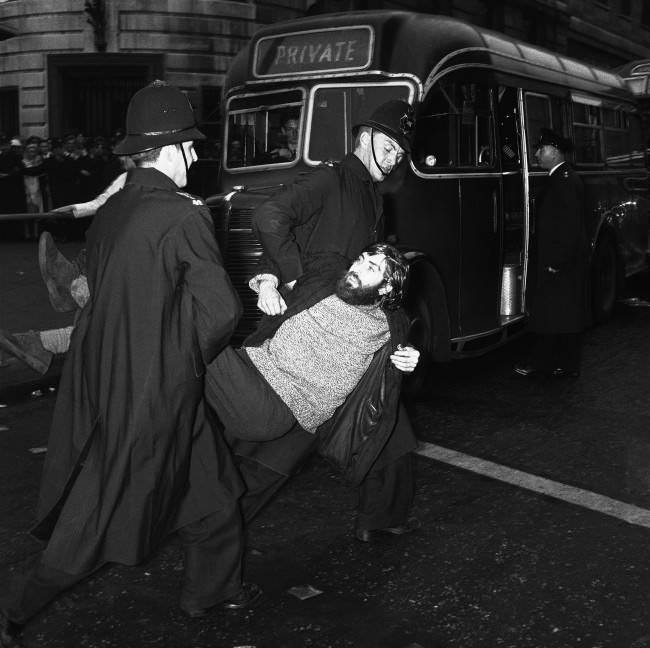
<point x="196" y="38"/>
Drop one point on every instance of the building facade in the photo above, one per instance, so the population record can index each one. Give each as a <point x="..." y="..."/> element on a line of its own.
<point x="72" y="65"/>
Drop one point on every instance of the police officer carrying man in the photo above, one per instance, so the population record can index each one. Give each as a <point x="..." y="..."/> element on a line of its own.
<point x="132" y="454"/>
<point x="558" y="311"/>
<point x="314" y="229"/>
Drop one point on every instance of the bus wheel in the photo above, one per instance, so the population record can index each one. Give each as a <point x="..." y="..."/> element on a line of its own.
<point x="604" y="279"/>
<point x="420" y="337"/>
<point x="429" y="329"/>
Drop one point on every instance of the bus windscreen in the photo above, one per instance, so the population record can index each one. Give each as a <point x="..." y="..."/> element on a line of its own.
<point x="336" y="109"/>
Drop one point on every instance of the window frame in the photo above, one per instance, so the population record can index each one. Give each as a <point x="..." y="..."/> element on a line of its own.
<point x="349" y="146"/>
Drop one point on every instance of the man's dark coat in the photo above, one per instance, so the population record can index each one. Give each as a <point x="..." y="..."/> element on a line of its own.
<point x="131" y="454"/>
<point x="559" y="298"/>
<point x="332" y="210"/>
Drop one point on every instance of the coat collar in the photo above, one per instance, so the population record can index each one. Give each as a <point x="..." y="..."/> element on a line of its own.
<point x="150" y="177"/>
<point x="556" y="167"/>
<point x="352" y="162"/>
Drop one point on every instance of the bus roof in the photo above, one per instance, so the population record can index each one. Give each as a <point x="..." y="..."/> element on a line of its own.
<point x="424" y="46"/>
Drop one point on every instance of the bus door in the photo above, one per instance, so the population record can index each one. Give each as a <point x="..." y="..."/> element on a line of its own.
<point x="540" y="111"/>
<point x="480" y="207"/>
<point x="515" y="212"/>
<point x="455" y="159"/>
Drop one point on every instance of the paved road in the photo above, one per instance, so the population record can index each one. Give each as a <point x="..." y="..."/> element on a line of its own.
<point x="540" y="540"/>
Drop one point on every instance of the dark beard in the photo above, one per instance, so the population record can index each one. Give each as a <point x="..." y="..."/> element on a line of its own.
<point x="356" y="295"/>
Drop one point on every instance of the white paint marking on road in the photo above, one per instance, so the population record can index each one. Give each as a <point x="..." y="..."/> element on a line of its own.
<point x="578" y="496"/>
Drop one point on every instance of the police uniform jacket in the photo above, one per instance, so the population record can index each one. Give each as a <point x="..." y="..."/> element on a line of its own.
<point x="559" y="298"/>
<point x="131" y="454"/>
<point x="333" y="210"/>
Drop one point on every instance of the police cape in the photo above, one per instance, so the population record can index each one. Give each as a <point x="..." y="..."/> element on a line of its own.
<point x="132" y="455"/>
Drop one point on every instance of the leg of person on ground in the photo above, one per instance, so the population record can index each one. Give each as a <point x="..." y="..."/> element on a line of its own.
<point x="386" y="494"/>
<point x="42" y="585"/>
<point x="58" y="273"/>
<point x="385" y="498"/>
<point x="262" y="484"/>
<point x="213" y="550"/>
<point x="36" y="348"/>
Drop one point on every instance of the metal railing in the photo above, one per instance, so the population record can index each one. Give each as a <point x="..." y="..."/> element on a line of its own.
<point x="49" y="215"/>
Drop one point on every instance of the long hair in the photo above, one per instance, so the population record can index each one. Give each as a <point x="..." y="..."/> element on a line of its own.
<point x="395" y="274"/>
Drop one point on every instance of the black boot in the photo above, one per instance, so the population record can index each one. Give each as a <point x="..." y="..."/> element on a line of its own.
<point x="58" y="273"/>
<point x="28" y="348"/>
<point x="9" y="633"/>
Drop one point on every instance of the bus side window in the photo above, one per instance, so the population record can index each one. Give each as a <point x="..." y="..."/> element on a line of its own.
<point x="636" y="142"/>
<point x="617" y="137"/>
<point x="508" y="117"/>
<point x="475" y="129"/>
<point x="455" y="128"/>
<point x="587" y="127"/>
<point x="329" y="128"/>
<point x="623" y="138"/>
<point x="538" y="116"/>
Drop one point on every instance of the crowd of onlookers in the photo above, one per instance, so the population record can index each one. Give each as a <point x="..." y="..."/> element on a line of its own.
<point x="40" y="174"/>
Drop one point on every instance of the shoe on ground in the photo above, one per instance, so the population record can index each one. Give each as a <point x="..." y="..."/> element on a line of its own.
<point x="525" y="370"/>
<point x="560" y="372"/>
<point x="246" y="598"/>
<point x="9" y="633"/>
<point x="28" y="348"/>
<point x="366" y="535"/>
<point x="58" y="273"/>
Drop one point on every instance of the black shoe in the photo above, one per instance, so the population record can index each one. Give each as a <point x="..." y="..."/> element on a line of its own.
<point x="244" y="599"/>
<point x="565" y="373"/>
<point x="194" y="611"/>
<point x="9" y="632"/>
<point x="525" y="370"/>
<point x="58" y="273"/>
<point x="366" y="535"/>
<point x="248" y="596"/>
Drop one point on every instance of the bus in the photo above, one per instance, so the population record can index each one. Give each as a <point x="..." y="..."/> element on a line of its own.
<point x="462" y="208"/>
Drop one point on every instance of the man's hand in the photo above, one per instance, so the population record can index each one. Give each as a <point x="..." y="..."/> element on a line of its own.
<point x="270" y="300"/>
<point x="405" y="358"/>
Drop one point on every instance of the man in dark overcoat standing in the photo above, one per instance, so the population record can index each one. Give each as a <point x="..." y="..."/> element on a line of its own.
<point x="558" y="310"/>
<point x="132" y="454"/>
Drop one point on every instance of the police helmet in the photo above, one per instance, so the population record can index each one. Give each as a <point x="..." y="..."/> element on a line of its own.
<point x="395" y="118"/>
<point x="548" y="137"/>
<point x="158" y="115"/>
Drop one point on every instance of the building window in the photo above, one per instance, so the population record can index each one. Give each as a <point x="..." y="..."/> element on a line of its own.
<point x="625" y="8"/>
<point x="9" y="125"/>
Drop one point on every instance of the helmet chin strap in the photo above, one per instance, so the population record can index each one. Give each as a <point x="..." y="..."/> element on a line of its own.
<point x="374" y="157"/>
<point x="187" y="168"/>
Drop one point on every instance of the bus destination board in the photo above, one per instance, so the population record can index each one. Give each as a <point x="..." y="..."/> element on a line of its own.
<point x="327" y="50"/>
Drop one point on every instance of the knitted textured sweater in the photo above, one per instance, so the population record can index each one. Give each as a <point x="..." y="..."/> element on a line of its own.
<point x="316" y="358"/>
